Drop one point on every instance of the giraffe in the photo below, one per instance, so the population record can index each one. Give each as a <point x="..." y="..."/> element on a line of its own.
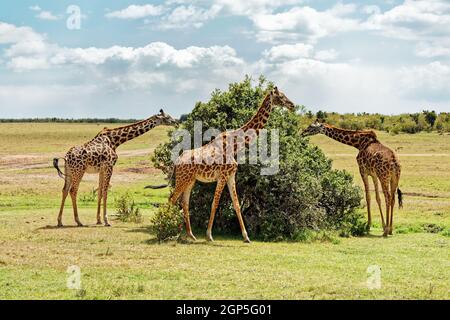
<point x="99" y="156"/>
<point x="187" y="170"/>
<point x="374" y="160"/>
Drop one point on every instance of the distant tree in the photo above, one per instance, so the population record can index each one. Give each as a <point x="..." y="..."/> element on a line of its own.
<point x="321" y="115"/>
<point x="430" y="117"/>
<point x="183" y="117"/>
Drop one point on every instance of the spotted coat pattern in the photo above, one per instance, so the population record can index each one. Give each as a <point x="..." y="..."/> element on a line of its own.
<point x="374" y="160"/>
<point x="99" y="156"/>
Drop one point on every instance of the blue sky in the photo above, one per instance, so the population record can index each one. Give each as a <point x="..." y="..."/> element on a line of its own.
<point x="130" y="58"/>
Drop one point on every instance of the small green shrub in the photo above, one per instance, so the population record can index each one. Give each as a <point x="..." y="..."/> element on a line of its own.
<point x="127" y="210"/>
<point x="446" y="232"/>
<point x="167" y="223"/>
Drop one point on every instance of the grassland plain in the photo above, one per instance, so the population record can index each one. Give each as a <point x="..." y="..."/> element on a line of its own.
<point x="125" y="262"/>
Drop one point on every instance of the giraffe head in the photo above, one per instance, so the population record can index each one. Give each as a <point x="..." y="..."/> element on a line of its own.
<point x="314" y="128"/>
<point x="278" y="98"/>
<point x="165" y="119"/>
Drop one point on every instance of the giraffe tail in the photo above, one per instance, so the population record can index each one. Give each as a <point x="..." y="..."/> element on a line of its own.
<point x="157" y="187"/>
<point x="162" y="186"/>
<point x="400" y="198"/>
<point x="55" y="164"/>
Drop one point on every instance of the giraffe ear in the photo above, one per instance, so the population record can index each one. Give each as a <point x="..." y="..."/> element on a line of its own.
<point x="276" y="90"/>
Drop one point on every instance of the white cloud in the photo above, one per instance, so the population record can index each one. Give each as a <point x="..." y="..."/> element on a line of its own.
<point x="431" y="80"/>
<point x="413" y="20"/>
<point x="304" y="23"/>
<point x="35" y="8"/>
<point x="251" y="7"/>
<point x="188" y="16"/>
<point x="326" y="55"/>
<point x="137" y="12"/>
<point x="288" y="52"/>
<point x="433" y="49"/>
<point x="44" y="15"/>
<point x="10" y="34"/>
<point x="371" y="9"/>
<point x="47" y="15"/>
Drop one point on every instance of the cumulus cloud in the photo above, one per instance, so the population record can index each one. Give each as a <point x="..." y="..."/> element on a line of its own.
<point x="137" y="12"/>
<point x="43" y="14"/>
<point x="288" y="52"/>
<point x="304" y="23"/>
<point x="251" y="7"/>
<point x="47" y="15"/>
<point x="413" y="20"/>
<point x="188" y="16"/>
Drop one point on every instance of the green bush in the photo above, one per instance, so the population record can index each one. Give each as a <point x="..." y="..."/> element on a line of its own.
<point x="127" y="210"/>
<point x="167" y="223"/>
<point x="275" y="207"/>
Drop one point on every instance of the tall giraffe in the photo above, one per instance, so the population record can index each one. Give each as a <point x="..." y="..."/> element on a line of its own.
<point x="195" y="164"/>
<point x="375" y="160"/>
<point x="99" y="156"/>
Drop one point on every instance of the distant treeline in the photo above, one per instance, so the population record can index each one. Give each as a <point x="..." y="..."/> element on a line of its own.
<point x="62" y="120"/>
<point x="408" y="123"/>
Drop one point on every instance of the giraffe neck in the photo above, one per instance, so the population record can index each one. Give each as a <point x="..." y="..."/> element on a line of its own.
<point x="357" y="139"/>
<point x="259" y="120"/>
<point x="248" y="132"/>
<point x="121" y="135"/>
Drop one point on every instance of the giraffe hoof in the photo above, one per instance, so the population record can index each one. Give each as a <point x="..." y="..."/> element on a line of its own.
<point x="247" y="240"/>
<point x="99" y="223"/>
<point x="192" y="237"/>
<point x="107" y="225"/>
<point x="80" y="224"/>
<point x="60" y="225"/>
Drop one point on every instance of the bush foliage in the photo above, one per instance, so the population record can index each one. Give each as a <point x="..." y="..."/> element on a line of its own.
<point x="126" y="209"/>
<point x="167" y="223"/>
<point x="306" y="193"/>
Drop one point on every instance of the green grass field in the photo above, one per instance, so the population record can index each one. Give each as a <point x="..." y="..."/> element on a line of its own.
<point x="125" y="261"/>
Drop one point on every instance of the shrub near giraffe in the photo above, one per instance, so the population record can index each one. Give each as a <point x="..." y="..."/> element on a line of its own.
<point x="375" y="160"/>
<point x="99" y="156"/>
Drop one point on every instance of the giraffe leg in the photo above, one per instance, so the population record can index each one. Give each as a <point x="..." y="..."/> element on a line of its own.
<point x="73" y="194"/>
<point x="365" y="179"/>
<point x="186" y="198"/>
<point x="105" y="185"/>
<point x="177" y="191"/>
<point x="387" y="194"/>
<point x="377" y="195"/>
<point x="65" y="193"/>
<point x="232" y="188"/>
<point x="219" y="188"/>
<point x="394" y="185"/>
<point x="99" y="196"/>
